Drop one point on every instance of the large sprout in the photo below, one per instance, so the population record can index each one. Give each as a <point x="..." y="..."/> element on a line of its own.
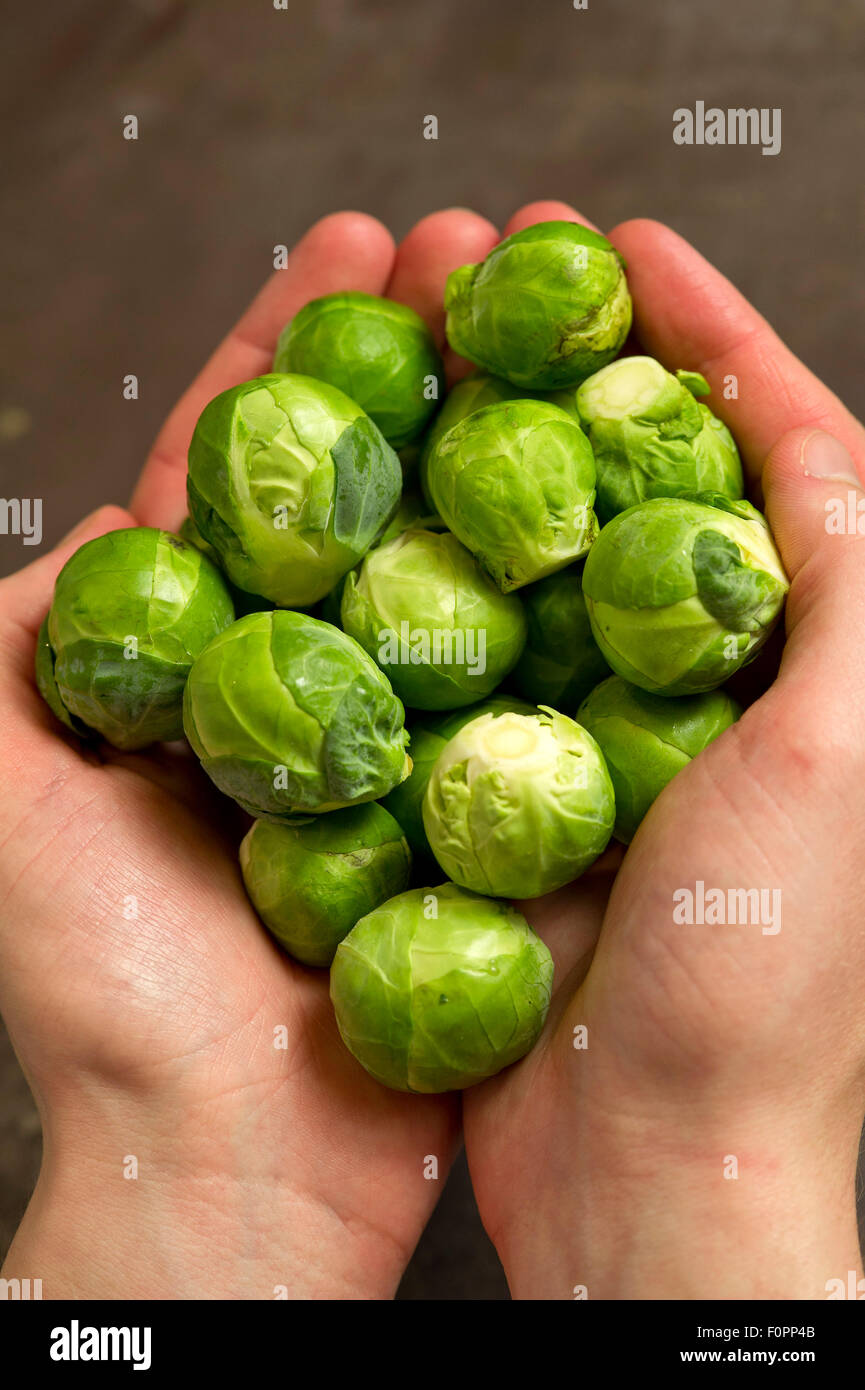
<point x="515" y="482"/>
<point x="380" y="353"/>
<point x="431" y="618"/>
<point x="311" y="882"/>
<point x="131" y="611"/>
<point x="518" y="805"/>
<point x="561" y="661"/>
<point x="428" y="737"/>
<point x="439" y="989"/>
<point x="646" y="739"/>
<point x="290" y="483"/>
<point x="548" y="306"/>
<point x="652" y="438"/>
<point x="682" y="592"/>
<point x="289" y="715"/>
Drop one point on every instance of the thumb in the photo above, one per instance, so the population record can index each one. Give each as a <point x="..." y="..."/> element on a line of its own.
<point x="816" y="507"/>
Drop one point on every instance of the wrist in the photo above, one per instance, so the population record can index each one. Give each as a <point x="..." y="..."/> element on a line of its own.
<point x="130" y="1207"/>
<point x="725" y="1207"/>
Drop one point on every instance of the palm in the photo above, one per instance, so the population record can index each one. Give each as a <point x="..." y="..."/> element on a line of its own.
<point x="152" y="970"/>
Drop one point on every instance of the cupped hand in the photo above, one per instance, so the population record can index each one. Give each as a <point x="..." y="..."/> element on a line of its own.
<point x="688" y="1125"/>
<point x="155" y="1019"/>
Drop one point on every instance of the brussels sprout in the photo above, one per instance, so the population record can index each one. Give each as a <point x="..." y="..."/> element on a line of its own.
<point x="190" y="533"/>
<point x="290" y="482"/>
<point x="330" y="608"/>
<point x="682" y="592"/>
<point x="289" y="715"/>
<point x="243" y="603"/>
<point x="427" y="739"/>
<point x="646" y="739"/>
<point x="412" y="513"/>
<point x="515" y="482"/>
<point x="429" y="616"/>
<point x="439" y="989"/>
<point x="561" y="661"/>
<point x="651" y="438"/>
<point x="469" y="395"/>
<point x="131" y="611"/>
<point x="518" y="805"/>
<point x="310" y="882"/>
<point x="47" y="684"/>
<point x="548" y="306"/>
<point x="379" y="353"/>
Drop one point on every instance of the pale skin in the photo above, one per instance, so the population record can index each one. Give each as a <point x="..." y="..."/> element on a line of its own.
<point x="142" y="995"/>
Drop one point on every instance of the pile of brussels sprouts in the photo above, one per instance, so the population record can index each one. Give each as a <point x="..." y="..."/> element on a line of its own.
<point x="551" y="568"/>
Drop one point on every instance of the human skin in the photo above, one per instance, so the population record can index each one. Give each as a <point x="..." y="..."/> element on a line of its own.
<point x="602" y="1171"/>
<point x="259" y="1167"/>
<point x="603" y="1167"/>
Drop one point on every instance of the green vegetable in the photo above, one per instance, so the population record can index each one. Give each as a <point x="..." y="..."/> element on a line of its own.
<point x="515" y="482"/>
<point x="561" y="661"/>
<point x="646" y="739"/>
<point x="47" y="684"/>
<point x="439" y="989"/>
<point x="433" y="620"/>
<point x="469" y="395"/>
<point x="131" y="611"/>
<point x="548" y="306"/>
<point x="651" y="438"/>
<point x="288" y="715"/>
<point x="378" y="352"/>
<point x="310" y="883"/>
<point x="682" y="592"/>
<point x="412" y="512"/>
<point x="428" y="738"/>
<point x="290" y="482"/>
<point x="243" y="603"/>
<point x="518" y="805"/>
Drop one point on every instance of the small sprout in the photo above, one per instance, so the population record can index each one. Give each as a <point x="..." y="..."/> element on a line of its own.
<point x="290" y="483"/>
<point x="437" y="1002"/>
<point x="311" y="882"/>
<point x="132" y="610"/>
<point x="431" y="618"/>
<point x="469" y="395"/>
<point x="652" y="438"/>
<point x="428" y="737"/>
<point x="548" y="306"/>
<point x="683" y="592"/>
<point x="289" y="715"/>
<point x="561" y="661"/>
<point x="515" y="482"/>
<point x="380" y="353"/>
<point x="646" y="739"/>
<point x="518" y="805"/>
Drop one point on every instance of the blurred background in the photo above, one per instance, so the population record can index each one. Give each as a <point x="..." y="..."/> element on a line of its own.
<point x="135" y="257"/>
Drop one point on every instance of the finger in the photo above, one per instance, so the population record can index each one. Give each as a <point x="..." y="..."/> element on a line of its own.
<point x="689" y="315"/>
<point x="816" y="506"/>
<point x="346" y="251"/>
<point x="425" y="258"/>
<point x="545" y="211"/>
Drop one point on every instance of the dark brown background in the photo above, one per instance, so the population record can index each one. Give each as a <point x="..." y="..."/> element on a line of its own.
<point x="123" y="257"/>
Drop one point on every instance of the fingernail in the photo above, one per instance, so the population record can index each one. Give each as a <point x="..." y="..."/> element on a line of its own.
<point x="824" y="456"/>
